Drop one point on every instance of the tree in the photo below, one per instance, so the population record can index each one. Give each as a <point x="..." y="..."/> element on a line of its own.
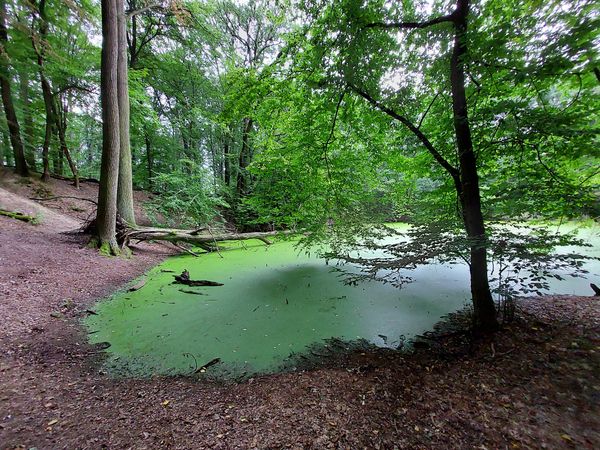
<point x="465" y="176"/>
<point x="421" y="76"/>
<point x="251" y="36"/>
<point x="40" y="41"/>
<point x="7" y="101"/>
<point x="109" y="172"/>
<point x="125" y="185"/>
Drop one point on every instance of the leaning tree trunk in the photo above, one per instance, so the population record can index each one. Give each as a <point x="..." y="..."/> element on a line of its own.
<point x="195" y="237"/>
<point x="9" y="109"/>
<point x="60" y="115"/>
<point x="483" y="304"/>
<point x="46" y="89"/>
<point x="125" y="185"/>
<point x="47" y="94"/>
<point x="106" y="216"/>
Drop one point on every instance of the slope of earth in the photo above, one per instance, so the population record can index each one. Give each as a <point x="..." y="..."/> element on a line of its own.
<point x="533" y="385"/>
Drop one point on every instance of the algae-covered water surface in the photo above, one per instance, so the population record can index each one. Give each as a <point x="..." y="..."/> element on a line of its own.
<point x="274" y="302"/>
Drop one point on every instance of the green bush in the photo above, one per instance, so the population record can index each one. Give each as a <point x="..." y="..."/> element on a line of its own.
<point x="186" y="196"/>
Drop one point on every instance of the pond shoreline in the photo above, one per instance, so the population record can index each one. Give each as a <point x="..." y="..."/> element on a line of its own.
<point x="51" y="388"/>
<point x="533" y="384"/>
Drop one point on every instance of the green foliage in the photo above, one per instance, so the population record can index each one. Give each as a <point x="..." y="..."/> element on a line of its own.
<point x="186" y="196"/>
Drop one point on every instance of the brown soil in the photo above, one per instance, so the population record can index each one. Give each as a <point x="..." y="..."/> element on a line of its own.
<point x="533" y="385"/>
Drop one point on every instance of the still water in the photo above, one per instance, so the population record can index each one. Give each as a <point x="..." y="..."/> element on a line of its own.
<point x="275" y="301"/>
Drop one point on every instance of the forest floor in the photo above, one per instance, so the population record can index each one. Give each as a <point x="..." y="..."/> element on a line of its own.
<point x="535" y="384"/>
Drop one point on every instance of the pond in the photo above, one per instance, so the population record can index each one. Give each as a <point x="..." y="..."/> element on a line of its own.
<point x="275" y="302"/>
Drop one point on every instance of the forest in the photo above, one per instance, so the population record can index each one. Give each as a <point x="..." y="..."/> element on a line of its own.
<point x="303" y="224"/>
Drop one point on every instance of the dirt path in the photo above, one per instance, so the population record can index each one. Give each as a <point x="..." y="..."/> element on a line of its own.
<point x="536" y="385"/>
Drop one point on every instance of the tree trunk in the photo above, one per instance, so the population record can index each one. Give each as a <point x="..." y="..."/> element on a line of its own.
<point x="125" y="185"/>
<point x="483" y="304"/>
<point x="46" y="92"/>
<point x="61" y="128"/>
<point x="6" y="153"/>
<point x="9" y="109"/>
<point x="244" y="159"/>
<point x="109" y="171"/>
<point x="28" y="137"/>
<point x="226" y="161"/>
<point x="149" y="156"/>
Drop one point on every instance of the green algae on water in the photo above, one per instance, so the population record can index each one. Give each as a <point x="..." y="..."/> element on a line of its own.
<point x="275" y="304"/>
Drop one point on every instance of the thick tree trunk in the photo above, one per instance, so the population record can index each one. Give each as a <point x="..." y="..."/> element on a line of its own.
<point x="109" y="171"/>
<point x="125" y="185"/>
<point x="9" y="109"/>
<point x="483" y="304"/>
<point x="57" y="158"/>
<point x="28" y="138"/>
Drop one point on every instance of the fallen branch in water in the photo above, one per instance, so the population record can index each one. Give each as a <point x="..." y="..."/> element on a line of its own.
<point x="137" y="286"/>
<point x="185" y="291"/>
<point x="184" y="278"/>
<point x="203" y="368"/>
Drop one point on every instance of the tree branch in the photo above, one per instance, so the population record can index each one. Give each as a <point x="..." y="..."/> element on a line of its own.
<point x="411" y="25"/>
<point x="427" y="110"/>
<point x="453" y="171"/>
<point x="135" y="12"/>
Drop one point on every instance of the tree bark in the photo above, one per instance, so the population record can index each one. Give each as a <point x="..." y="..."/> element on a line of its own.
<point x="6" y="153"/>
<point x="9" y="109"/>
<point x="47" y="95"/>
<point x="193" y="237"/>
<point x="483" y="304"/>
<point x="60" y="115"/>
<point x="149" y="156"/>
<point x="46" y="91"/>
<point x="125" y="185"/>
<point x="28" y="137"/>
<point x="109" y="171"/>
<point x="244" y="159"/>
<point x="226" y="160"/>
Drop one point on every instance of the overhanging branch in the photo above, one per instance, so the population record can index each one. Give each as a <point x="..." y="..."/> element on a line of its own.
<point x="411" y="25"/>
<point x="453" y="171"/>
<point x="135" y="12"/>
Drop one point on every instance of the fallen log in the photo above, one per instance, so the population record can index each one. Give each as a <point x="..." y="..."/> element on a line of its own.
<point x="18" y="216"/>
<point x="186" y="291"/>
<point x="192" y="236"/>
<point x="137" y="286"/>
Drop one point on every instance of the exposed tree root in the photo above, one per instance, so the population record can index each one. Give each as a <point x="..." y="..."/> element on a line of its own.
<point x="63" y="196"/>
<point x="202" y="237"/>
